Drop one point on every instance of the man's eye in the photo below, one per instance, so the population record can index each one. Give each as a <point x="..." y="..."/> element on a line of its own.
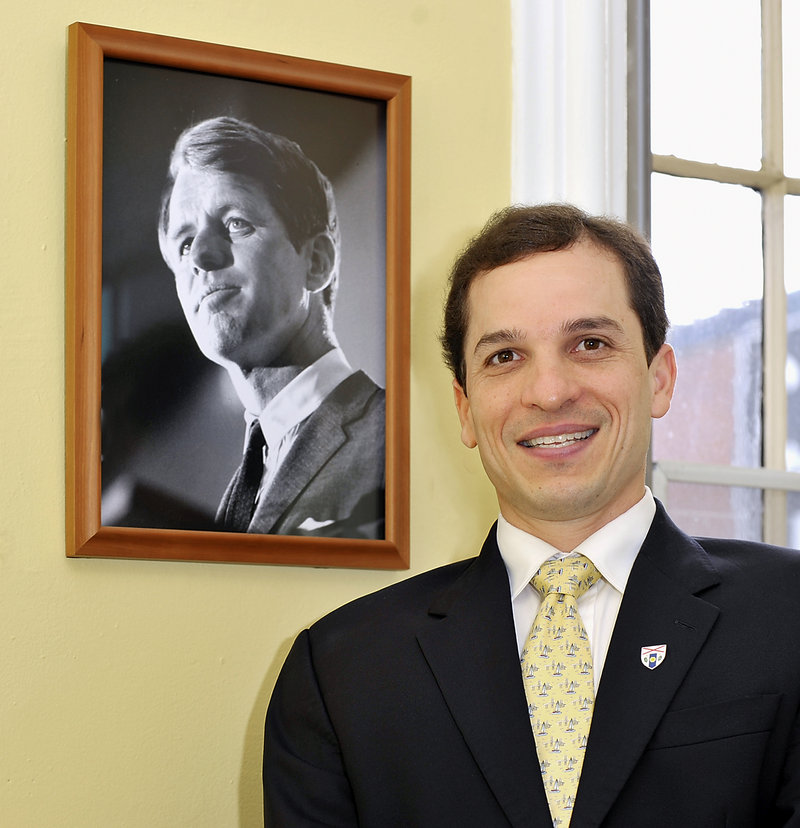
<point x="503" y="357"/>
<point x="184" y="247"/>
<point x="590" y="344"/>
<point x="238" y="227"/>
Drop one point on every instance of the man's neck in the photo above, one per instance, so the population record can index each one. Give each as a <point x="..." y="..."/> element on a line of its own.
<point x="566" y="535"/>
<point x="257" y="386"/>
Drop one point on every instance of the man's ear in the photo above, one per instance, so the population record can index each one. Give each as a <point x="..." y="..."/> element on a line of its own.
<point x="464" y="415"/>
<point x="321" y="252"/>
<point x="663" y="375"/>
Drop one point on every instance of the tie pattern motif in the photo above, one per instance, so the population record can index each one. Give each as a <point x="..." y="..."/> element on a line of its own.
<point x="559" y="681"/>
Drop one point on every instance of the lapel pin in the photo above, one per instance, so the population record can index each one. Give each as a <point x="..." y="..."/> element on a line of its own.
<point x="653" y="656"/>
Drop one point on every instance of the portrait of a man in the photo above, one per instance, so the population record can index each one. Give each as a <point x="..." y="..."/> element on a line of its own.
<point x="236" y="399"/>
<point x="249" y="228"/>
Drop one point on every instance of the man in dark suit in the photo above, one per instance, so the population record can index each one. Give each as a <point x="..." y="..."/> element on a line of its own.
<point x="249" y="228"/>
<point x="414" y="706"/>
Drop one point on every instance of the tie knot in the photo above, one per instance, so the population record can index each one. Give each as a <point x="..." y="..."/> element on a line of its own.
<point x="255" y="438"/>
<point x="572" y="575"/>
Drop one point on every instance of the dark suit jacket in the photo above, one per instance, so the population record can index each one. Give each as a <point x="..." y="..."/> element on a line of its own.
<point x="331" y="484"/>
<point x="406" y="707"/>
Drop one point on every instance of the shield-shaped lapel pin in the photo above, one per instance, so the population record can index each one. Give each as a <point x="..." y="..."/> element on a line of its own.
<point x="653" y="656"/>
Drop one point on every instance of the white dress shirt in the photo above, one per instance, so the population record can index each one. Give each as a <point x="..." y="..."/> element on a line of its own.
<point x="612" y="549"/>
<point x="284" y="414"/>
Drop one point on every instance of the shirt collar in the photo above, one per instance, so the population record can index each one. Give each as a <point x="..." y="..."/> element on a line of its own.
<point x="612" y="549"/>
<point x="302" y="396"/>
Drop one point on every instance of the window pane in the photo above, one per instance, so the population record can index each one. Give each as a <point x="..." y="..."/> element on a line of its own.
<point x="791" y="208"/>
<point x="792" y="278"/>
<point x="716" y="511"/>
<point x="791" y="88"/>
<point x="793" y="508"/>
<point x="707" y="241"/>
<point x="706" y="80"/>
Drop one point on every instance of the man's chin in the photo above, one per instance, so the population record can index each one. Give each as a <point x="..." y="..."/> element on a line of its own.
<point x="562" y="504"/>
<point x="221" y="343"/>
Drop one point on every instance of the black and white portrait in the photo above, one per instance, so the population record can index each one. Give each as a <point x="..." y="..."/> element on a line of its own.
<point x="244" y="296"/>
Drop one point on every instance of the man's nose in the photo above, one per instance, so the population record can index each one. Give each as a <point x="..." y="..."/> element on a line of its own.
<point x="549" y="383"/>
<point x="210" y="250"/>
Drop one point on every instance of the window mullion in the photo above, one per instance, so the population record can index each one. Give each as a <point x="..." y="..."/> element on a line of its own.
<point x="772" y="87"/>
<point x="686" y="168"/>
<point x="775" y="406"/>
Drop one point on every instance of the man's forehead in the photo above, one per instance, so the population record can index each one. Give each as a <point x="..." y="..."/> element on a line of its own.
<point x="554" y="288"/>
<point x="202" y="189"/>
<point x="595" y="260"/>
<point x="194" y="184"/>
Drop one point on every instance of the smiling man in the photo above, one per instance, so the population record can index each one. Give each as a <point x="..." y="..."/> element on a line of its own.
<point x="560" y="391"/>
<point x="249" y="229"/>
<point x="593" y="666"/>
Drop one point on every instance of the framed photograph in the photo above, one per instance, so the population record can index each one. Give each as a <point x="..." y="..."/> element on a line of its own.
<point x="237" y="305"/>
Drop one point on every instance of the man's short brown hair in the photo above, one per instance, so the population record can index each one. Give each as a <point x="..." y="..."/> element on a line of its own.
<point x="517" y="232"/>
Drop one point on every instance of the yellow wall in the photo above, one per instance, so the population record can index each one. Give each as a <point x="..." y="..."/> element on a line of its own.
<point x="133" y="693"/>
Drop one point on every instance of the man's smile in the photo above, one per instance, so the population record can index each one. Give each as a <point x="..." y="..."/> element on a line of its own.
<point x="558" y="440"/>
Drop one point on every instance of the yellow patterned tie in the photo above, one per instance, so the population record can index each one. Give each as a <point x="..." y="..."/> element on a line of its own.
<point x="559" y="682"/>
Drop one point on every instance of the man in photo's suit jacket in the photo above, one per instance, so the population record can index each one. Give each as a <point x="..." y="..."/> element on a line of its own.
<point x="407" y="708"/>
<point x="343" y="440"/>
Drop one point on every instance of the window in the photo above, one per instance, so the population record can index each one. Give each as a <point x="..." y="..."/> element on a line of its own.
<point x="725" y="220"/>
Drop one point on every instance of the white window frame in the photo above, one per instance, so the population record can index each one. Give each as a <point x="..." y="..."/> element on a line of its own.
<point x="773" y="185"/>
<point x="569" y="103"/>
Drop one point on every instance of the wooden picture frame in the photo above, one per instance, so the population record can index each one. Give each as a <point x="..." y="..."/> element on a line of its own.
<point x="93" y="52"/>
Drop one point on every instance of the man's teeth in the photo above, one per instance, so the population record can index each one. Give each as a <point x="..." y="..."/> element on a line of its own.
<point x="558" y="439"/>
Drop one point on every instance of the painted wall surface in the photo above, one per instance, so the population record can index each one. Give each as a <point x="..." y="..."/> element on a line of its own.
<point x="133" y="693"/>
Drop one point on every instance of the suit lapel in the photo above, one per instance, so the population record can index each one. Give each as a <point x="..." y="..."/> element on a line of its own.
<point x="472" y="652"/>
<point x="660" y="606"/>
<point x="321" y="438"/>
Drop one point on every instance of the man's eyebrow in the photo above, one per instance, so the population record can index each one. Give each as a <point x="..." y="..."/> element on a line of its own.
<point x="506" y="336"/>
<point x="591" y="323"/>
<point x="188" y="227"/>
<point x="179" y="231"/>
<point x="515" y="336"/>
